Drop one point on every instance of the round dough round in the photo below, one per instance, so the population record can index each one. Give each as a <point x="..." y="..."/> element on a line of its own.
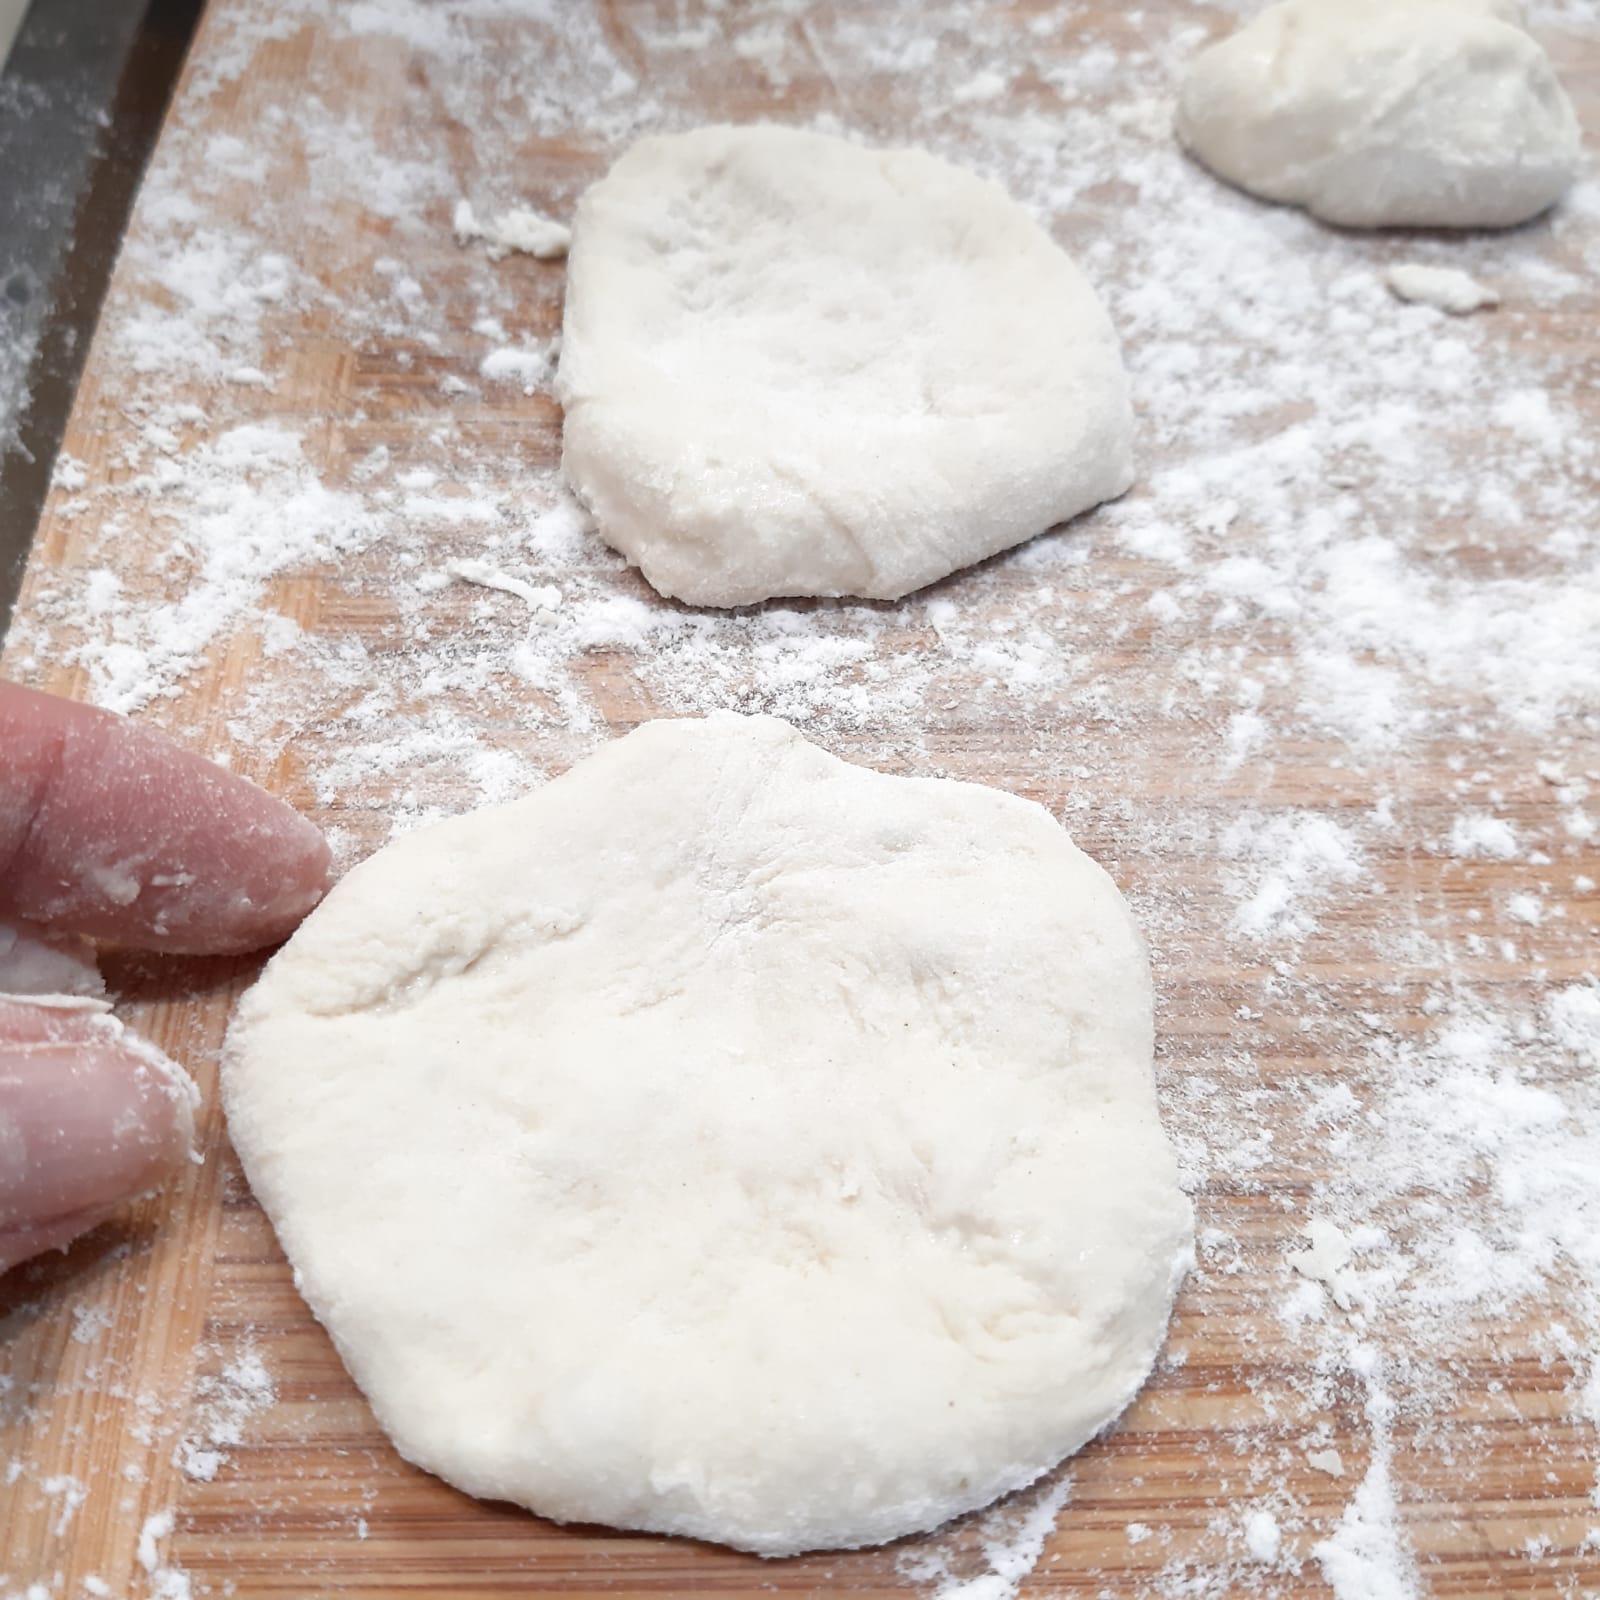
<point x="1386" y="113"/>
<point x="794" y="366"/>
<point x="724" y="1140"/>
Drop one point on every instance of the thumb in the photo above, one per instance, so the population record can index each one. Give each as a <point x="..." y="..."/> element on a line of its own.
<point x="90" y="1118"/>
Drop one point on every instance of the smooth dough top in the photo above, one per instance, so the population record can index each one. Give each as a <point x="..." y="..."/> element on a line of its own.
<point x="724" y="1140"/>
<point x="1386" y="113"/>
<point x="794" y="366"/>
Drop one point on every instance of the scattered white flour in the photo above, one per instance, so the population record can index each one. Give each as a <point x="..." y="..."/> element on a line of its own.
<point x="1009" y="1541"/>
<point x="155" y="1529"/>
<point x="68" y="473"/>
<point x="1323" y="690"/>
<point x="165" y="1582"/>
<point x="1527" y="909"/>
<point x="519" y="364"/>
<point x="542" y="599"/>
<point x="1473" y="834"/>
<point x="1445" y="288"/>
<point x="239" y="509"/>
<point x="1365" y="1557"/>
<point x="1289" y="861"/>
<point x="89" y="1322"/>
<point x="1327" y="1262"/>
<point x="226" y="1402"/>
<point x="1263" y="1537"/>
<point x="1575" y="1020"/>
<point x="70" y="1493"/>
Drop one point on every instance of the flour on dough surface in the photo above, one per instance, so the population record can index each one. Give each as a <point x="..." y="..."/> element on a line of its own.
<point x="724" y="1140"/>
<point x="795" y="366"/>
<point x="1386" y="113"/>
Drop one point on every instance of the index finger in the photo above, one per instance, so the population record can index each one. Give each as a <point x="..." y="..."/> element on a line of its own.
<point x="110" y="829"/>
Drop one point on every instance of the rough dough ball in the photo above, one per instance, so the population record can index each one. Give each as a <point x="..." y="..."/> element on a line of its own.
<point x="1386" y="113"/>
<point x="794" y="366"/>
<point x="724" y="1140"/>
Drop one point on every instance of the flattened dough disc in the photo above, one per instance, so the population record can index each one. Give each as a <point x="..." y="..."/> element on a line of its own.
<point x="794" y="366"/>
<point x="723" y="1140"/>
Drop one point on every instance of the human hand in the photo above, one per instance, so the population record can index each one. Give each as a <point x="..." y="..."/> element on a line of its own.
<point x="110" y="831"/>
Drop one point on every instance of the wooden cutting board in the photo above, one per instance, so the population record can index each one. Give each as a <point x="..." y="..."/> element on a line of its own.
<point x="173" y="1419"/>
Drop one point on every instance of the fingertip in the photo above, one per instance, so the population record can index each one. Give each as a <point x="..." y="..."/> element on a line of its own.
<point x="23" y="1243"/>
<point x="90" y="1119"/>
<point x="123" y="836"/>
<point x="266" y="871"/>
<point x="298" y="864"/>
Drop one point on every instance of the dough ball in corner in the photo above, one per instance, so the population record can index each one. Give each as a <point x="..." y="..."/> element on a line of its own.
<point x="1386" y="113"/>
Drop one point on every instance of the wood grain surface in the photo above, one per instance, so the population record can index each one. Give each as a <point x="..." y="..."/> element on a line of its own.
<point x="179" y="1330"/>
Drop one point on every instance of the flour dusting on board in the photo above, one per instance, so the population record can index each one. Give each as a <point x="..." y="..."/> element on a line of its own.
<point x="224" y="1407"/>
<point x="166" y="1581"/>
<point x="1005" y="1545"/>
<point x="1322" y="691"/>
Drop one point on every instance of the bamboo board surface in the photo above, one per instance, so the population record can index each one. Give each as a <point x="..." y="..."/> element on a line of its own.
<point x="291" y="276"/>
